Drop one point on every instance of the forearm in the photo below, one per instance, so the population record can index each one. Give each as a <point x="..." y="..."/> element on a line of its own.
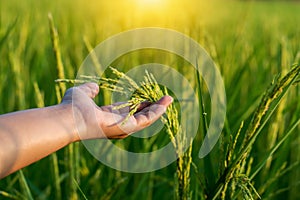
<point x="30" y="135"/>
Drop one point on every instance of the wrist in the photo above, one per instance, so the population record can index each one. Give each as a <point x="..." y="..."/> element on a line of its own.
<point x="67" y="117"/>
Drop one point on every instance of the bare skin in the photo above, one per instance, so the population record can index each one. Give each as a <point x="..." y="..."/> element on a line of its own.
<point x="29" y="135"/>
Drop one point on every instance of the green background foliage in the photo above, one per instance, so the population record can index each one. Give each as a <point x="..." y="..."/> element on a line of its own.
<point x="250" y="41"/>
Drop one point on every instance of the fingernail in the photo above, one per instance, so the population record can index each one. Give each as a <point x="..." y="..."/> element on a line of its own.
<point x="170" y="99"/>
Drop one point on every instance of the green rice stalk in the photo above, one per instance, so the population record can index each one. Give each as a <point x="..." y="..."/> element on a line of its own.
<point x="93" y="55"/>
<point x="98" y="67"/>
<point x="8" y="195"/>
<point x="146" y="179"/>
<point x="297" y="81"/>
<point x="54" y="159"/>
<point x="55" y="175"/>
<point x="183" y="171"/>
<point x="244" y="183"/>
<point x="233" y="186"/>
<point x="249" y="166"/>
<point x="72" y="149"/>
<point x="39" y="96"/>
<point x="275" y="148"/>
<point x="229" y="156"/>
<point x="274" y="92"/>
<point x="103" y="83"/>
<point x="208" y="165"/>
<point x="150" y="186"/>
<point x="232" y="146"/>
<point x="112" y="189"/>
<point x="80" y="190"/>
<point x="4" y="38"/>
<point x="57" y="53"/>
<point x="267" y="106"/>
<point x="24" y="185"/>
<point x="224" y="190"/>
<point x="282" y="190"/>
<point x="280" y="171"/>
<point x="70" y="166"/>
<point x="16" y="58"/>
<point x="149" y="90"/>
<point x="57" y="92"/>
<point x="16" y="67"/>
<point x="267" y="157"/>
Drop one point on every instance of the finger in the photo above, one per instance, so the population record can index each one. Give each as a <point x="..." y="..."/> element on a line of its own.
<point x="126" y="109"/>
<point x="151" y="113"/>
<point x="123" y="110"/>
<point x="114" y="128"/>
<point x="112" y="108"/>
<point x="165" y="101"/>
<point x="122" y="136"/>
<point x="90" y="89"/>
<point x="143" y="105"/>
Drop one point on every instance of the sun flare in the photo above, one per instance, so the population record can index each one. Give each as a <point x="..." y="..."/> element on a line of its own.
<point x="151" y="3"/>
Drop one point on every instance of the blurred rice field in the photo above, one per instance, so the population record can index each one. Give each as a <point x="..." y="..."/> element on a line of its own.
<point x="250" y="41"/>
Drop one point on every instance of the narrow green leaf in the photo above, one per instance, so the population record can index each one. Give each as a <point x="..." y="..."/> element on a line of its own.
<point x="274" y="149"/>
<point x="24" y="185"/>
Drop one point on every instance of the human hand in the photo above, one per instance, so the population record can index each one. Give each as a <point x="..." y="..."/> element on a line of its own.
<point x="76" y="118"/>
<point x="93" y="122"/>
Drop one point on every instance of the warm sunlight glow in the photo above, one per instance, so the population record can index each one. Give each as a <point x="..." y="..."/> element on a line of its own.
<point x="160" y="12"/>
<point x="151" y="4"/>
<point x="149" y="1"/>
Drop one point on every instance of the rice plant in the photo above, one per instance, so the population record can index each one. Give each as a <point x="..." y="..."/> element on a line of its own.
<point x="238" y="164"/>
<point x="236" y="175"/>
<point x="149" y="90"/>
